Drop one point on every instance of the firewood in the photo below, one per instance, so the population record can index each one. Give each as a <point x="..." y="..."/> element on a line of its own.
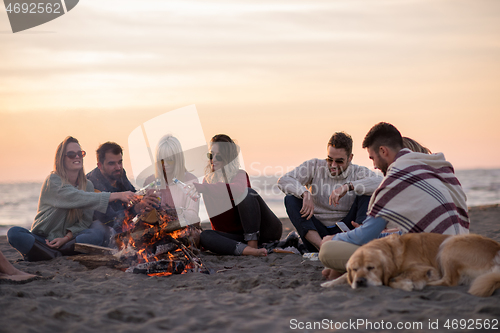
<point x="151" y="217"/>
<point x="92" y="249"/>
<point x="173" y="226"/>
<point x="99" y="260"/>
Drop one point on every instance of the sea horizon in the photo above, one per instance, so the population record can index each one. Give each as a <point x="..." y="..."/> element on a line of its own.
<point x="19" y="200"/>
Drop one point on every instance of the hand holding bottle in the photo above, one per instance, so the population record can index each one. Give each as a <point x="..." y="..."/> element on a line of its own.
<point x="189" y="190"/>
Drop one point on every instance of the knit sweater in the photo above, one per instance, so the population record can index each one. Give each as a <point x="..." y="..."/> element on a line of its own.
<point x="57" y="199"/>
<point x="314" y="176"/>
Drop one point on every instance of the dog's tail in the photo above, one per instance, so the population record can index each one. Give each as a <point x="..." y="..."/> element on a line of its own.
<point x="486" y="284"/>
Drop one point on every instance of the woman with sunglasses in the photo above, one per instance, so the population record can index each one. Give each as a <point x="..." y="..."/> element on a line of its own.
<point x="240" y="218"/>
<point x="65" y="209"/>
<point x="170" y="164"/>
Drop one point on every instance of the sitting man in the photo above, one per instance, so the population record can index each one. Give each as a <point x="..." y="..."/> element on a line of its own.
<point x="321" y="193"/>
<point x="109" y="176"/>
<point x="419" y="193"/>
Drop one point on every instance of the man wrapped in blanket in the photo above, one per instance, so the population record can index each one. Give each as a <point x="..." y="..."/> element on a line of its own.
<point x="419" y="193"/>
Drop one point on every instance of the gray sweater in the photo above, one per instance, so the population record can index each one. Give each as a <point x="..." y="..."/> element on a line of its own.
<point x="315" y="177"/>
<point x="57" y="199"/>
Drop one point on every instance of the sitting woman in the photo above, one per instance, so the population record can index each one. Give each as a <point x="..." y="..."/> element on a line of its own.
<point x="65" y="209"/>
<point x="169" y="165"/>
<point x="240" y="218"/>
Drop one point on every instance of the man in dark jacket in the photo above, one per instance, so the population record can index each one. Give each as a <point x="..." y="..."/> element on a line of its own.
<point x="109" y="176"/>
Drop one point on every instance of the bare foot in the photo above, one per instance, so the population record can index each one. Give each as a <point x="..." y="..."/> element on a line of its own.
<point x="330" y="274"/>
<point x="18" y="277"/>
<point x="9" y="270"/>
<point x="250" y="251"/>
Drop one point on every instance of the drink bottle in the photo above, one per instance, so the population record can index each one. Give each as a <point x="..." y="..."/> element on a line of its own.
<point x="186" y="189"/>
<point x="139" y="194"/>
<point x="143" y="190"/>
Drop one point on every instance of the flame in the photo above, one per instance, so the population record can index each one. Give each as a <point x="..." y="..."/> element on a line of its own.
<point x="143" y="237"/>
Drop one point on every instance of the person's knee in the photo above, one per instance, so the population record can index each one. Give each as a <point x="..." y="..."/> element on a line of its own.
<point x="363" y="202"/>
<point x="15" y="235"/>
<point x="99" y="226"/>
<point x="326" y="251"/>
<point x="20" y="239"/>
<point x="292" y="203"/>
<point x="290" y="199"/>
<point x="248" y="201"/>
<point x="335" y="254"/>
<point x="252" y="192"/>
<point x="205" y="236"/>
<point x="91" y="236"/>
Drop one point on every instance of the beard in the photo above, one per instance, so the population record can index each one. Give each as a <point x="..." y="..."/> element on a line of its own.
<point x="115" y="175"/>
<point x="338" y="171"/>
<point x="384" y="168"/>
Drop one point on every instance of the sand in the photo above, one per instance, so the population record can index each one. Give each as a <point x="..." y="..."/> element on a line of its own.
<point x="278" y="293"/>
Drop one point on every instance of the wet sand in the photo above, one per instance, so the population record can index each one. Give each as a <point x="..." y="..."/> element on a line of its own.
<point x="277" y="293"/>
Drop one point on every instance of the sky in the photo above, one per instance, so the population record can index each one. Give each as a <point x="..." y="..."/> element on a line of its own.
<point x="280" y="77"/>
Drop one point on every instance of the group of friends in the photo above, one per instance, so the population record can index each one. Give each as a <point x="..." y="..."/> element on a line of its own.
<point x="418" y="193"/>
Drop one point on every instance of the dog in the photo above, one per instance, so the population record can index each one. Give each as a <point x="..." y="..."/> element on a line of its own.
<point x="412" y="261"/>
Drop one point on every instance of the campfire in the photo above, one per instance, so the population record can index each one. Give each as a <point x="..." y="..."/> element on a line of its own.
<point x="154" y="244"/>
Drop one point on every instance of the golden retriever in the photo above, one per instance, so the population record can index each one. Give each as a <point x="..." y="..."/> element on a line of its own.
<point x="412" y="261"/>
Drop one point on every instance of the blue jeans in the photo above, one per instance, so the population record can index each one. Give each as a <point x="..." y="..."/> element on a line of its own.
<point x="22" y="239"/>
<point x="293" y="206"/>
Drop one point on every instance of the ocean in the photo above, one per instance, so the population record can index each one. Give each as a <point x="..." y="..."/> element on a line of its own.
<point x="18" y="201"/>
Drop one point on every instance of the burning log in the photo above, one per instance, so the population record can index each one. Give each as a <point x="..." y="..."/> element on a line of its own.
<point x="154" y="243"/>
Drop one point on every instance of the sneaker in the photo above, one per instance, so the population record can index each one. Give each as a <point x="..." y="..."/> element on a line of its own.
<point x="313" y="256"/>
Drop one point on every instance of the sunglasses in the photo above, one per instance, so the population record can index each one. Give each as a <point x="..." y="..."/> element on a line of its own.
<point x="73" y="154"/>
<point x="211" y="157"/>
<point x="331" y="160"/>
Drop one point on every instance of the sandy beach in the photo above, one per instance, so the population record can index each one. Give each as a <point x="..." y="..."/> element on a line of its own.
<point x="277" y="293"/>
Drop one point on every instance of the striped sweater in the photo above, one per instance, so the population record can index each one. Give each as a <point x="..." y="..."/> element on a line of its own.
<point x="420" y="193"/>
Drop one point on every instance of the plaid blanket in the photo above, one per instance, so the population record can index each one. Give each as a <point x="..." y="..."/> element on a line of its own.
<point x="420" y="193"/>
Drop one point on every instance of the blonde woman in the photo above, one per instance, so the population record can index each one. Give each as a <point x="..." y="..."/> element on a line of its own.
<point x="65" y="209"/>
<point x="415" y="146"/>
<point x="170" y="164"/>
<point x="240" y="218"/>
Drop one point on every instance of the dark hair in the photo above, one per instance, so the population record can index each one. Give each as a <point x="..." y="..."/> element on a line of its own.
<point x="229" y="150"/>
<point x="341" y="140"/>
<point x="106" y="147"/>
<point x="383" y="134"/>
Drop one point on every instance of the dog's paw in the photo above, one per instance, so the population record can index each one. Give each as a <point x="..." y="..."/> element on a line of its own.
<point x="338" y="281"/>
<point x="328" y="284"/>
<point x="403" y="284"/>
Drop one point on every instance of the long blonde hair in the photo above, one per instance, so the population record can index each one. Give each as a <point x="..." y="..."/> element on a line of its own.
<point x="170" y="147"/>
<point x="60" y="170"/>
<point x="229" y="152"/>
<point x="415" y="146"/>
